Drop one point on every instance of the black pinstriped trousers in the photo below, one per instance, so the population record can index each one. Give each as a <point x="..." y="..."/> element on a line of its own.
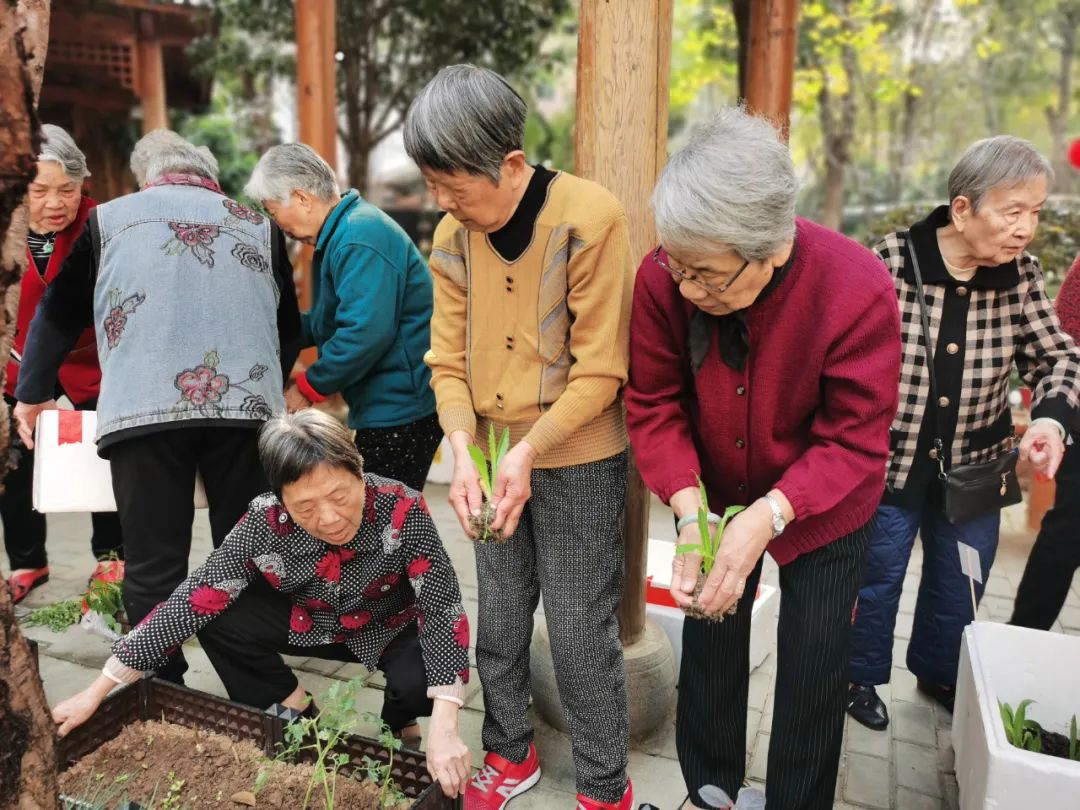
<point x="818" y="591"/>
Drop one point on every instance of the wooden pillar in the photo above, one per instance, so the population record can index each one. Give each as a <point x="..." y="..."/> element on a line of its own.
<point x="771" y="61"/>
<point x="624" y="57"/>
<point x="151" y="67"/>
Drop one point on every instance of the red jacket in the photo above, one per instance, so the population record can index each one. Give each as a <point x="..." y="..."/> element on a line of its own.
<point x="1067" y="302"/>
<point x="810" y="411"/>
<point x="80" y="375"/>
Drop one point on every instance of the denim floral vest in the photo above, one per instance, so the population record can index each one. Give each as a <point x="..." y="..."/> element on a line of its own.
<point x="185" y="310"/>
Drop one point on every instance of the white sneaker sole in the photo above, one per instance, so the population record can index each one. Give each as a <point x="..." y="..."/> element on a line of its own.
<point x="526" y="784"/>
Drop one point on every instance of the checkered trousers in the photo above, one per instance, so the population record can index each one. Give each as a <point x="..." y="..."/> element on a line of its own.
<point x="1010" y="326"/>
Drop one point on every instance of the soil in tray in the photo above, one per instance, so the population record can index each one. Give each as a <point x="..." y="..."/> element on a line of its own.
<point x="1054" y="744"/>
<point x="147" y="761"/>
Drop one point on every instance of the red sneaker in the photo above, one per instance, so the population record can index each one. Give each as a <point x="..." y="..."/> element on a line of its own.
<point x="625" y="803"/>
<point x="500" y="780"/>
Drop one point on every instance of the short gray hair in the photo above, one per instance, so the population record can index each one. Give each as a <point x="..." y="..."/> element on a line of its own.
<point x="1003" y="161"/>
<point x="468" y="119"/>
<point x="60" y="147"/>
<point x="288" y="167"/>
<point x="165" y="152"/>
<point x="293" y="444"/>
<point x="731" y="187"/>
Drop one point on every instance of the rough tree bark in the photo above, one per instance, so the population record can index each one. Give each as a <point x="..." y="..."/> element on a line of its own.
<point x="837" y="115"/>
<point x="27" y="735"/>
<point x="1057" y="116"/>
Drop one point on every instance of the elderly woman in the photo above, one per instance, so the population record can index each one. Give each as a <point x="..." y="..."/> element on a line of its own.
<point x="1055" y="556"/>
<point x="532" y="295"/>
<point x="964" y="269"/>
<point x="58" y="214"/>
<point x="332" y="563"/>
<point x="764" y="351"/>
<point x="185" y="383"/>
<point x="370" y="312"/>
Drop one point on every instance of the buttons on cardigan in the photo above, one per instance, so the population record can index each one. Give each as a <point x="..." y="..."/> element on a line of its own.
<point x="741" y="391"/>
<point x="741" y="487"/>
<point x="510" y="341"/>
<point x="499" y="403"/>
<point x="961" y="290"/>
<point x="740" y="443"/>
<point x="952" y="348"/>
<point x="509" y="283"/>
<point x="943" y="402"/>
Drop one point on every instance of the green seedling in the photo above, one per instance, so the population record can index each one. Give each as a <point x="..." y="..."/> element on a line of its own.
<point x="709" y="545"/>
<point x="57" y="617"/>
<point x="481" y="524"/>
<point x="1074" y="750"/>
<point x="1020" y="730"/>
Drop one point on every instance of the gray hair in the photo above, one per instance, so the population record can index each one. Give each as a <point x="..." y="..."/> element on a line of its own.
<point x="1003" y="161"/>
<point x="293" y="444"/>
<point x="468" y="119"/>
<point x="164" y="152"/>
<point x="287" y="168"/>
<point x="60" y="147"/>
<point x="731" y="187"/>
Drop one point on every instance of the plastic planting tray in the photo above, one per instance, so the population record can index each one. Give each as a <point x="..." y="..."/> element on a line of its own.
<point x="153" y="699"/>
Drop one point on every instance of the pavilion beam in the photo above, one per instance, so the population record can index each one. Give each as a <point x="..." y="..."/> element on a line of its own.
<point x="624" y="58"/>
<point x="771" y="60"/>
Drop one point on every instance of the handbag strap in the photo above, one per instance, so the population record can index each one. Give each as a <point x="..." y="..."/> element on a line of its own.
<point x="924" y="316"/>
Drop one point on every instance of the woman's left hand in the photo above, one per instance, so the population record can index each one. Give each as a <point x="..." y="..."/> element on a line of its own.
<point x="1043" y="447"/>
<point x="741" y="546"/>
<point x="294" y="400"/>
<point x="513" y="488"/>
<point x="447" y="756"/>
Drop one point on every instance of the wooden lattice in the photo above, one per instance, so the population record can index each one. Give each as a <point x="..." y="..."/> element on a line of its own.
<point x="115" y="57"/>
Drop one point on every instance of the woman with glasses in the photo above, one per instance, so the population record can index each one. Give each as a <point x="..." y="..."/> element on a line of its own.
<point x="764" y="353"/>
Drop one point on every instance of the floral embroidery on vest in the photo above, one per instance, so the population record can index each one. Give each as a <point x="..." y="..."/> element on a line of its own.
<point x="196" y="238"/>
<point x="241" y="212"/>
<point x="250" y="257"/>
<point x="119" y="309"/>
<point x="202" y="388"/>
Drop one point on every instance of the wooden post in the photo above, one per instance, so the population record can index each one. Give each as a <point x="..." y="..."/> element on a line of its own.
<point x="624" y="57"/>
<point x="151" y="66"/>
<point x="771" y="61"/>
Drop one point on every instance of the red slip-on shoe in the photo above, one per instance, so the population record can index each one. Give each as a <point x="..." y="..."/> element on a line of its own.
<point x="500" y="780"/>
<point x="23" y="582"/>
<point x="625" y="803"/>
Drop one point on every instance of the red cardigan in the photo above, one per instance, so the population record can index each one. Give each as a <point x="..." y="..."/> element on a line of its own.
<point x="809" y="413"/>
<point x="79" y="376"/>
<point x="1067" y="302"/>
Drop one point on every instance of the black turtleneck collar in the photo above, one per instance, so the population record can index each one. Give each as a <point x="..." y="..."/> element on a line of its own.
<point x="514" y="238"/>
<point x="923" y="239"/>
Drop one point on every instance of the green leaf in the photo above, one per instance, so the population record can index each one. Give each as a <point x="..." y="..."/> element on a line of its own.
<point x="1072" y="738"/>
<point x="492" y="450"/>
<point x="504" y="447"/>
<point x="687" y="548"/>
<point x="477" y="456"/>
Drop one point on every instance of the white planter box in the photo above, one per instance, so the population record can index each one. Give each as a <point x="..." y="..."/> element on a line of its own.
<point x="661" y="608"/>
<point x="1011" y="664"/>
<point x="69" y="476"/>
<point x="442" y="466"/>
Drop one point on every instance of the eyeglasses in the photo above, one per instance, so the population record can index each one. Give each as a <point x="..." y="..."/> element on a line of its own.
<point x="680" y="276"/>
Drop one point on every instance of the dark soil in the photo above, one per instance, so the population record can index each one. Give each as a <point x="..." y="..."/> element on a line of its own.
<point x="1055" y="745"/>
<point x="695" y="611"/>
<point x="481" y="525"/>
<point x="149" y="759"/>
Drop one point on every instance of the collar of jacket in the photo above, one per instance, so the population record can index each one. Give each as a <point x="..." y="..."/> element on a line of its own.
<point x="337" y="213"/>
<point x="923" y="240"/>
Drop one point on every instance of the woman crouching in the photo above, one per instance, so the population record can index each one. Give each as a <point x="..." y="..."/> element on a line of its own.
<point x="332" y="564"/>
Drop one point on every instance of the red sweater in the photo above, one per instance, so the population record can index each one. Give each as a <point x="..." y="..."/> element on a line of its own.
<point x="1067" y="302"/>
<point x="810" y="412"/>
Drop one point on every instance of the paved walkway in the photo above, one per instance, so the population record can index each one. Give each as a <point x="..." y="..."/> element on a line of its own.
<point x="910" y="767"/>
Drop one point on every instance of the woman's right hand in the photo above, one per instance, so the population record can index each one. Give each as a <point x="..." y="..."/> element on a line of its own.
<point x="466" y="497"/>
<point x="685" y="568"/>
<point x="71" y="713"/>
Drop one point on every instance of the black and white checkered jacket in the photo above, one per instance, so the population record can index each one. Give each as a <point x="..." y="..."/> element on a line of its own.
<point x="1010" y="320"/>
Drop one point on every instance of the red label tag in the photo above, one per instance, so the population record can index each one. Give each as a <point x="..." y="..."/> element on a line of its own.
<point x="70" y="427"/>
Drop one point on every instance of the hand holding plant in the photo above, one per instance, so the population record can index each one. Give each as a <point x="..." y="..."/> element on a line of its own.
<point x="701" y="554"/>
<point x="481" y="525"/>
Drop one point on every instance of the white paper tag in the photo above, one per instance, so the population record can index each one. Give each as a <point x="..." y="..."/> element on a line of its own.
<point x="94" y="622"/>
<point x="969" y="561"/>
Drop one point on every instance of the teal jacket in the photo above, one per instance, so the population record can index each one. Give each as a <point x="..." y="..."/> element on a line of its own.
<point x="370" y="317"/>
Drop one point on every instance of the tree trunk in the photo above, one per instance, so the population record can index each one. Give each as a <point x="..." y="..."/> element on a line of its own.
<point x="28" y="749"/>
<point x="1058" y="115"/>
<point x="741" y="10"/>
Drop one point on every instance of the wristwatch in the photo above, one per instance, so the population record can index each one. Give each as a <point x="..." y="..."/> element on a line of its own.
<point x="778" y="522"/>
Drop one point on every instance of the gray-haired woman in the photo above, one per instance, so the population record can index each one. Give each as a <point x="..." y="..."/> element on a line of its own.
<point x="332" y="563"/>
<point x="370" y="312"/>
<point x="988" y="312"/>
<point x="764" y="351"/>
<point x="185" y="383"/>
<point x="58" y="212"/>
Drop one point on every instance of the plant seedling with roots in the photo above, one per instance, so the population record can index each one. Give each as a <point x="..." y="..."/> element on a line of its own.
<point x="1019" y="729"/>
<point x="708" y="547"/>
<point x="481" y="524"/>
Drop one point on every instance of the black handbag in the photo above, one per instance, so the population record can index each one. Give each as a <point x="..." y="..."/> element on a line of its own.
<point x="969" y="490"/>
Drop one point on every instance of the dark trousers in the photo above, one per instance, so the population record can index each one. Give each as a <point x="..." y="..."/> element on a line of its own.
<point x="24" y="529"/>
<point x="245" y="645"/>
<point x="403" y="453"/>
<point x="154" y="483"/>
<point x="817" y="594"/>
<point x="1056" y="554"/>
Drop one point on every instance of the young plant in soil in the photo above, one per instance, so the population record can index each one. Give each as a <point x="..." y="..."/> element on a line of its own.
<point x="481" y="524"/>
<point x="708" y="547"/>
<point x="1020" y="730"/>
<point x="106" y="599"/>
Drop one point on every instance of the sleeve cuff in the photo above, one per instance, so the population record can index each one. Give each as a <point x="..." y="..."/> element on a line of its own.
<point x="454" y="692"/>
<point x="119" y="672"/>
<point x="545" y="435"/>
<point x="1051" y="421"/>
<point x="310" y="393"/>
<point x="453" y="418"/>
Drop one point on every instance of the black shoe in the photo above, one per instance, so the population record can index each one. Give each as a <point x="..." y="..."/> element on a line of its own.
<point x="941" y="694"/>
<point x="865" y="706"/>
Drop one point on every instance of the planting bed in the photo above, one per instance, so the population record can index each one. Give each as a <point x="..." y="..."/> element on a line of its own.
<point x="213" y="745"/>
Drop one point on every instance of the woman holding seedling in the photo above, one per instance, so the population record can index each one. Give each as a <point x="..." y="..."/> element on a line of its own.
<point x="764" y="354"/>
<point x="332" y="563"/>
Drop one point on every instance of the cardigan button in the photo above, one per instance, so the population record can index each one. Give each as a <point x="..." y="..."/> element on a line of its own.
<point x="741" y="487"/>
<point x="509" y="288"/>
<point x="740" y="443"/>
<point x="741" y="391"/>
<point x="498" y="396"/>
<point x="961" y="290"/>
<point x="943" y="402"/>
<point x="952" y="348"/>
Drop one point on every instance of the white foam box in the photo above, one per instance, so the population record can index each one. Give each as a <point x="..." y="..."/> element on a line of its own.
<point x="661" y="608"/>
<point x="999" y="662"/>
<point x="69" y="476"/>
<point x="442" y="466"/>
